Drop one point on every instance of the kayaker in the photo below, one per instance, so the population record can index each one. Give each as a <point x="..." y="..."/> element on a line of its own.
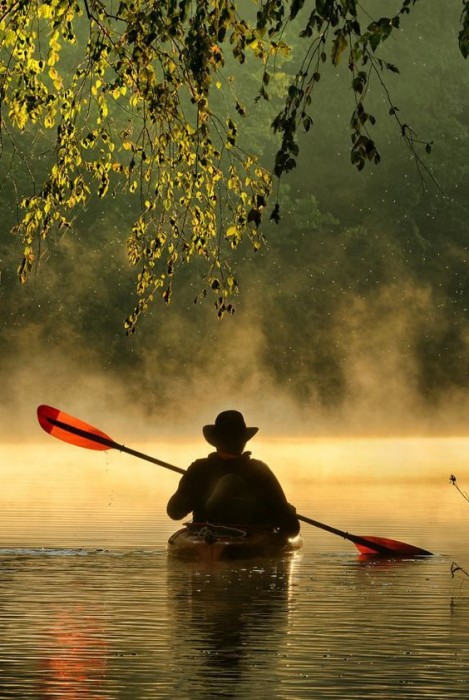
<point x="229" y="487"/>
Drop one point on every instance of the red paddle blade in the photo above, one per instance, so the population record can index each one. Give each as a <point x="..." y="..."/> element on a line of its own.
<point x="70" y="429"/>
<point x="396" y="548"/>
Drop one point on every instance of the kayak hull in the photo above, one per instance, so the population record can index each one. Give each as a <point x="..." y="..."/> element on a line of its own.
<point x="209" y="543"/>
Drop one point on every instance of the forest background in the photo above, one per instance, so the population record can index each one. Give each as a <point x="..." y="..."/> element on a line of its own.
<point x="351" y="318"/>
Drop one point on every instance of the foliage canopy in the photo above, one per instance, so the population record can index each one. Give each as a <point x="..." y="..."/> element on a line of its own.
<point x="131" y="92"/>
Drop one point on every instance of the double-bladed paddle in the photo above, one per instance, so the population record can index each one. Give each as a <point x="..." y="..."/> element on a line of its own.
<point x="69" y="429"/>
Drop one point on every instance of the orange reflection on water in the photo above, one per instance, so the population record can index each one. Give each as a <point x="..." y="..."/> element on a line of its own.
<point x="76" y="657"/>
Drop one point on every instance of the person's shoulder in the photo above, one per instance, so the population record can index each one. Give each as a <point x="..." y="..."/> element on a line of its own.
<point x="256" y="463"/>
<point x="201" y="462"/>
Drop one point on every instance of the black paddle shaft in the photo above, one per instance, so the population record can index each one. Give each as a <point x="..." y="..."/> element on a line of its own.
<point x="356" y="539"/>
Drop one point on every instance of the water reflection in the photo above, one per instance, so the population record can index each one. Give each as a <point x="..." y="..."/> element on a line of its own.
<point x="97" y="626"/>
<point x="53" y="640"/>
<point x="229" y="620"/>
<point x="76" y="660"/>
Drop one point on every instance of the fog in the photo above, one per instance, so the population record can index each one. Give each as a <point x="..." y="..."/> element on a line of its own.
<point x="351" y="321"/>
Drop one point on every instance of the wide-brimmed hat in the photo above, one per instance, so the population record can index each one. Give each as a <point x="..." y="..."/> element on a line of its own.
<point x="229" y="426"/>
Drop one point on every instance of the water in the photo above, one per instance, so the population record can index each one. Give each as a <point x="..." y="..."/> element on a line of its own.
<point x="92" y="607"/>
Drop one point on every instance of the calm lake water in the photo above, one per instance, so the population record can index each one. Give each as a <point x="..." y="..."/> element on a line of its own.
<point x="92" y="607"/>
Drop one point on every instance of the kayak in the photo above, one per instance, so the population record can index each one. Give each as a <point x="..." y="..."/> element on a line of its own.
<point x="210" y="543"/>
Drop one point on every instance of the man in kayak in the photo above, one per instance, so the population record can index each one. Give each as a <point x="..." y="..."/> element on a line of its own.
<point x="230" y="488"/>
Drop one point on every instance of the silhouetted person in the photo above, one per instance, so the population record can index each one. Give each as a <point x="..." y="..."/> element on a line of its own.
<point x="230" y="488"/>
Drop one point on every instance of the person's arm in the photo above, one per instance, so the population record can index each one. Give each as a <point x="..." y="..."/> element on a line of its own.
<point x="181" y="503"/>
<point x="283" y="513"/>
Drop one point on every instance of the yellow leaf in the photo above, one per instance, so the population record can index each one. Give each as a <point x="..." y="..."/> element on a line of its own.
<point x="232" y="231"/>
<point x="44" y="11"/>
<point x="52" y="58"/>
<point x="56" y="79"/>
